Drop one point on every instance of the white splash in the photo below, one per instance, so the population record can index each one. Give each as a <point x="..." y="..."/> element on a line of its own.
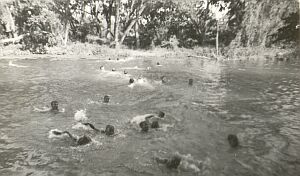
<point x="164" y="127"/>
<point x="79" y="126"/>
<point x="141" y="82"/>
<point x="133" y="68"/>
<point x="80" y="115"/>
<point x="43" y="109"/>
<point x="140" y="118"/>
<point x="10" y="63"/>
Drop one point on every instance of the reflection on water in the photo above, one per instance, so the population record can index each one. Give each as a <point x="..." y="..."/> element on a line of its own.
<point x="257" y="101"/>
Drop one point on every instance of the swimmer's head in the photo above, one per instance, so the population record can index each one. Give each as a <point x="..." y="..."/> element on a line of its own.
<point x="233" y="140"/>
<point x="101" y="67"/>
<point x="155" y="124"/>
<point x="131" y="80"/>
<point x="113" y="69"/>
<point x="191" y="82"/>
<point x="161" y="114"/>
<point x="109" y="130"/>
<point x="174" y="162"/>
<point x="144" y="126"/>
<point x="125" y="72"/>
<point x="163" y="79"/>
<point x="157" y="63"/>
<point x="84" y="140"/>
<point x="106" y="99"/>
<point x="54" y="105"/>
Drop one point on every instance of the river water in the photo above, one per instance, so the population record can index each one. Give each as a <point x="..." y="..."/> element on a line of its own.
<point x="258" y="101"/>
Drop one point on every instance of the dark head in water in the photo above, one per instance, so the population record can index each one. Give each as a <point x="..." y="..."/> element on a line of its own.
<point x="106" y="99"/>
<point x="191" y="82"/>
<point x="155" y="124"/>
<point x="233" y="140"/>
<point x="161" y="114"/>
<point x="144" y="126"/>
<point x="113" y="69"/>
<point x="125" y="72"/>
<point x="157" y="63"/>
<point x="84" y="140"/>
<point x="174" y="162"/>
<point x="101" y="67"/>
<point x="54" y="106"/>
<point x="109" y="130"/>
<point x="131" y="80"/>
<point x="163" y="79"/>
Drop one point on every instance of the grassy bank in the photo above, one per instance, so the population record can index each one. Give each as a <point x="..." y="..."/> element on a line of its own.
<point x="102" y="51"/>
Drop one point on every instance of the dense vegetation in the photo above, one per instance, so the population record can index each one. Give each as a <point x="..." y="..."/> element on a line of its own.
<point x="146" y="23"/>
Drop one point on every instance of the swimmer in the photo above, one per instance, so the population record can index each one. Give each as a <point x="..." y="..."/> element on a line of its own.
<point x="155" y="124"/>
<point x="131" y="80"/>
<point x="102" y="67"/>
<point x="113" y="69"/>
<point x="171" y="163"/>
<point x="125" y="72"/>
<point x="106" y="99"/>
<point x="233" y="140"/>
<point x="191" y="82"/>
<point x="163" y="79"/>
<point x="146" y="117"/>
<point x="79" y="141"/>
<point x="144" y="125"/>
<point x="185" y="162"/>
<point x="109" y="130"/>
<point x="54" y="108"/>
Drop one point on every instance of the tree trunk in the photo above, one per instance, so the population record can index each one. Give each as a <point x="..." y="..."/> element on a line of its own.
<point x="131" y="24"/>
<point x="117" y="23"/>
<point x="137" y="35"/>
<point x="67" y="26"/>
<point x="68" y="17"/>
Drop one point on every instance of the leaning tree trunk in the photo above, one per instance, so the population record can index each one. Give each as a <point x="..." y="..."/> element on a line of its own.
<point x="117" y="23"/>
<point x="8" y="21"/>
<point x="131" y="24"/>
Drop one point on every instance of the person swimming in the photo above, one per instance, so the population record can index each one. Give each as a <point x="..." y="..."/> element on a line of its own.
<point x="53" y="108"/>
<point x="233" y="140"/>
<point x="106" y="99"/>
<point x="146" y="125"/>
<point x="131" y="80"/>
<point x="171" y="163"/>
<point x="163" y="79"/>
<point x="147" y="121"/>
<point x="83" y="140"/>
<point x="109" y="130"/>
<point x="54" y="105"/>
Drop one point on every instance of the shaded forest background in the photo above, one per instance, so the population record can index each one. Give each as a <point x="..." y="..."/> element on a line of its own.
<point x="144" y="24"/>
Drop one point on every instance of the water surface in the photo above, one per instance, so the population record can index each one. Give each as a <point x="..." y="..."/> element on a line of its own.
<point x="258" y="101"/>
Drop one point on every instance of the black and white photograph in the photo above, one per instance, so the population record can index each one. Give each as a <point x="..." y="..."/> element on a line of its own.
<point x="149" y="87"/>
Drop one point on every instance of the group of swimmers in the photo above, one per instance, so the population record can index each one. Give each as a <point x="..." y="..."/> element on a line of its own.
<point x="144" y="122"/>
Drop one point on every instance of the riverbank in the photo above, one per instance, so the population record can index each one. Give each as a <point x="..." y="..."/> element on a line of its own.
<point x="93" y="51"/>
